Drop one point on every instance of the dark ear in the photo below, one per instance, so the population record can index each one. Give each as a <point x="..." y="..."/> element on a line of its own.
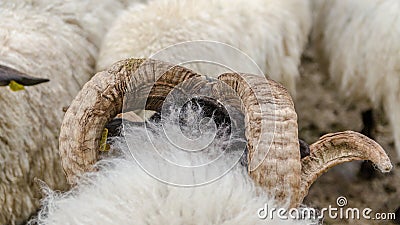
<point x="8" y="74"/>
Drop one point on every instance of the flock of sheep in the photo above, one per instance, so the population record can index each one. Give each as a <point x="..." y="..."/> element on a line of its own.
<point x="69" y="41"/>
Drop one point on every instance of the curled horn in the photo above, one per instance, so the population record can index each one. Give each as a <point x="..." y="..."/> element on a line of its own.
<point x="101" y="99"/>
<point x="333" y="149"/>
<point x="271" y="132"/>
<point x="279" y="167"/>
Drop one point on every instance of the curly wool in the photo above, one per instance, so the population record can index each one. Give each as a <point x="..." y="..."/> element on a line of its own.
<point x="271" y="32"/>
<point x="50" y="43"/>
<point x="122" y="192"/>
<point x="93" y="17"/>
<point x="360" y="41"/>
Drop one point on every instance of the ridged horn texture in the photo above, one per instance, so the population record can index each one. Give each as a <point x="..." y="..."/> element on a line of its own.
<point x="271" y="132"/>
<point x="336" y="148"/>
<point x="102" y="98"/>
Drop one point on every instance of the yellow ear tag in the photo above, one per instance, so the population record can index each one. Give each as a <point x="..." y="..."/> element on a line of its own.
<point x="104" y="147"/>
<point x="14" y="86"/>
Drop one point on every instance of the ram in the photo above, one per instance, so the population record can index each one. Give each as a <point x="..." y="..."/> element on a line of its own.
<point x="43" y="39"/>
<point x="125" y="190"/>
<point x="272" y="33"/>
<point x="359" y="41"/>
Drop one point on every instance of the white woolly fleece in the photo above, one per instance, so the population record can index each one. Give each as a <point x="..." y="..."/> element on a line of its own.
<point x="360" y="41"/>
<point x="272" y="32"/>
<point x="93" y="16"/>
<point x="40" y="39"/>
<point x="123" y="193"/>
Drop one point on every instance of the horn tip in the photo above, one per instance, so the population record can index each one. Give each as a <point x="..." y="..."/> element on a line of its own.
<point x="385" y="167"/>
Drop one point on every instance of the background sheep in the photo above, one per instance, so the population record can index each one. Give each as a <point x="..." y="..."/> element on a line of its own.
<point x="331" y="110"/>
<point x="94" y="18"/>
<point x="359" y="42"/>
<point x="273" y="33"/>
<point x="40" y="39"/>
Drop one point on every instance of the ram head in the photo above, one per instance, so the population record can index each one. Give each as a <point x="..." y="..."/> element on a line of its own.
<point x="270" y="123"/>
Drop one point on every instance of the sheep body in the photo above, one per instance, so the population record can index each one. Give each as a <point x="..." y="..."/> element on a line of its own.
<point x="30" y="121"/>
<point x="125" y="192"/>
<point x="359" y="40"/>
<point x="43" y="42"/>
<point x="273" y="33"/>
<point x="93" y="17"/>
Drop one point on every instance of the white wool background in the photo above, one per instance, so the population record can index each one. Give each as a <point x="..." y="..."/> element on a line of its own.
<point x="359" y="40"/>
<point x="122" y="193"/>
<point x="126" y="195"/>
<point x="93" y="17"/>
<point x="53" y="39"/>
<point x="33" y="42"/>
<point x="271" y="32"/>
